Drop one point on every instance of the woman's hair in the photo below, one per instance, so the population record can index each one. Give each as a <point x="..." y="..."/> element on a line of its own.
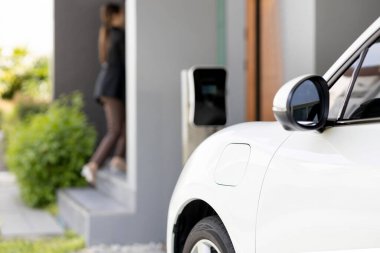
<point x="106" y="13"/>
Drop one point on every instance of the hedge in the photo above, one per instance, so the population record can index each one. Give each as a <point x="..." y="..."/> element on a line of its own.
<point x="47" y="151"/>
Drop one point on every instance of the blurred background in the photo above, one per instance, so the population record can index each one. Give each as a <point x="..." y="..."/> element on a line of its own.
<point x="50" y="122"/>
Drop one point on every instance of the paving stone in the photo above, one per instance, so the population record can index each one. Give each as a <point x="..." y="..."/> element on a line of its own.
<point x="18" y="220"/>
<point x="42" y="223"/>
<point x="14" y="224"/>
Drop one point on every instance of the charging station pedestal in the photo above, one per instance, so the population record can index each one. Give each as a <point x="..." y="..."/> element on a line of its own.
<point x="203" y="105"/>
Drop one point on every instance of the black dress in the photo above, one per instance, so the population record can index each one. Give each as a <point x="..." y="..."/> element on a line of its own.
<point x="111" y="78"/>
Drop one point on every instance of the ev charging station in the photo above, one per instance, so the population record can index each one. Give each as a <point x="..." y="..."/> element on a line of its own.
<point x="203" y="105"/>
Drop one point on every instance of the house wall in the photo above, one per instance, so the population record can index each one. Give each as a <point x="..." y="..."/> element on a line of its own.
<point x="297" y="28"/>
<point x="236" y="55"/>
<point x="315" y="33"/>
<point x="76" y="24"/>
<point x="76" y="63"/>
<point x="171" y="35"/>
<point x="338" y="24"/>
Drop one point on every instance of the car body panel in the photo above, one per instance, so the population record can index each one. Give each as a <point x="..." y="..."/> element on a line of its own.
<point x="232" y="164"/>
<point x="197" y="180"/>
<point x="322" y="192"/>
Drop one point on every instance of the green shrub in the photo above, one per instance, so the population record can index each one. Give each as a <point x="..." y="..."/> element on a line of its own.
<point x="47" y="151"/>
<point x="23" y="109"/>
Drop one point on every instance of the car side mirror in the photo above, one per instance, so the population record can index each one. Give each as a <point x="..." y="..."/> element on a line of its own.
<point x="302" y="103"/>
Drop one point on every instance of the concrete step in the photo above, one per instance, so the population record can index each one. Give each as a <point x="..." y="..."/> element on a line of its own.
<point x="94" y="215"/>
<point x="113" y="184"/>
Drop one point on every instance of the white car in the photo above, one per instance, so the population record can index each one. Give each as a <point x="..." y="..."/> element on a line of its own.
<point x="307" y="183"/>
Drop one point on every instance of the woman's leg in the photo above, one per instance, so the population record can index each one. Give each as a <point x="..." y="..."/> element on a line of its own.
<point x="121" y="141"/>
<point x="114" y="111"/>
<point x="118" y="160"/>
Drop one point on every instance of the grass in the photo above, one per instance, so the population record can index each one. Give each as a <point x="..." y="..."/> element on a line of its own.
<point x="68" y="243"/>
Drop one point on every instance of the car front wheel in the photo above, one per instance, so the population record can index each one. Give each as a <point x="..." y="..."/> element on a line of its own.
<point x="208" y="235"/>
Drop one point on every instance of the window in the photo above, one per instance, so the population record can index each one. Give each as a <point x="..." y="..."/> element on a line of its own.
<point x="364" y="95"/>
<point x="339" y="91"/>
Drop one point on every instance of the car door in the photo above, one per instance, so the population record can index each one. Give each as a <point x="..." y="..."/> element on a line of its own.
<point x="322" y="190"/>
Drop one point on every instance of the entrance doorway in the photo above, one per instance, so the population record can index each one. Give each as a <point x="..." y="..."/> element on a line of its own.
<point x="264" y="67"/>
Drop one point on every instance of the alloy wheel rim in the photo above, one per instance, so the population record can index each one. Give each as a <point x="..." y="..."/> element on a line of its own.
<point x="205" y="246"/>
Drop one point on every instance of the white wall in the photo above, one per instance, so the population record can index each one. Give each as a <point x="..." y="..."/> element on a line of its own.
<point x="170" y="35"/>
<point x="297" y="20"/>
<point x="316" y="32"/>
<point x="236" y="54"/>
<point x="167" y="36"/>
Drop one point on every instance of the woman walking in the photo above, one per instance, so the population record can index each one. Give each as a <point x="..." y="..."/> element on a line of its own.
<point x="110" y="91"/>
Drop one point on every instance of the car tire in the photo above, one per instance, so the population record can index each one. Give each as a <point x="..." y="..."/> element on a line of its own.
<point x="210" y="233"/>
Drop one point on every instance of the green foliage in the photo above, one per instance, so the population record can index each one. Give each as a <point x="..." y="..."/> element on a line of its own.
<point x="70" y="242"/>
<point x="47" y="151"/>
<point x="22" y="111"/>
<point x="20" y="72"/>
